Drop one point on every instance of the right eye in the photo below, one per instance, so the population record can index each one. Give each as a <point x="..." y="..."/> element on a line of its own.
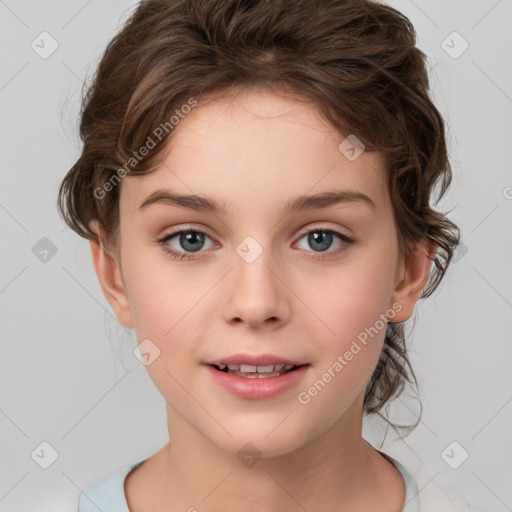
<point x="189" y="240"/>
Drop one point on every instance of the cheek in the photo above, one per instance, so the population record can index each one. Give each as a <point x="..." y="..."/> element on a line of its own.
<point x="349" y="339"/>
<point x="349" y="299"/>
<point x="165" y="309"/>
<point x="169" y="304"/>
<point x="161" y="293"/>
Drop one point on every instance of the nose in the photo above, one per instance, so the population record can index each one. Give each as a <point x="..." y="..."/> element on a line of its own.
<point x="256" y="293"/>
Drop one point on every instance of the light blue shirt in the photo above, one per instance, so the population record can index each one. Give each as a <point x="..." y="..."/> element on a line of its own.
<point x="108" y="495"/>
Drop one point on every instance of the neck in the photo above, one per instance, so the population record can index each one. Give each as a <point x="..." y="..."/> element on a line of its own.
<point x="338" y="470"/>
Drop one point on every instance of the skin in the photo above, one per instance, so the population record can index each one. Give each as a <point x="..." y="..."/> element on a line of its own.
<point x="254" y="152"/>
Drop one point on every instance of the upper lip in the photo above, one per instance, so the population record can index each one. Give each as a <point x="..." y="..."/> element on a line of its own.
<point x="253" y="359"/>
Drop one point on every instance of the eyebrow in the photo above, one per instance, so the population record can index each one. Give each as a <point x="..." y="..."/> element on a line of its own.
<point x="302" y="202"/>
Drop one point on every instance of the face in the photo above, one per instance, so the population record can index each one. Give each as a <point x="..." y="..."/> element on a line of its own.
<point x="256" y="280"/>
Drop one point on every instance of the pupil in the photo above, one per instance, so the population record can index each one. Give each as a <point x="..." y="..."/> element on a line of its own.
<point x="191" y="238"/>
<point x="316" y="237"/>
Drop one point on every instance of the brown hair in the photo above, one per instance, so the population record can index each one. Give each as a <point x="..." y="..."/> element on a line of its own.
<point x="354" y="60"/>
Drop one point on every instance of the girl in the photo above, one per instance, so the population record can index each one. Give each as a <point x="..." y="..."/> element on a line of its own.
<point x="255" y="183"/>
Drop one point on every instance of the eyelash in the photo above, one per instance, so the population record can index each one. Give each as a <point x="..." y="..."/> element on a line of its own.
<point x="175" y="255"/>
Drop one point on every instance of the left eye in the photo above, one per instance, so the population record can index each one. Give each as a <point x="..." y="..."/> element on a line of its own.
<point x="190" y="241"/>
<point x="322" y="239"/>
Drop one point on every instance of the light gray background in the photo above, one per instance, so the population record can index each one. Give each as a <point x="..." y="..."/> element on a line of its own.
<point x="68" y="373"/>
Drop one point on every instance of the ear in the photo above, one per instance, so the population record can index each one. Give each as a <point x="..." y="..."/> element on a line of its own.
<point x="109" y="275"/>
<point x="412" y="275"/>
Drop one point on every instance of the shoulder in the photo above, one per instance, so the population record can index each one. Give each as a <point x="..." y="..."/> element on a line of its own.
<point x="107" y="493"/>
<point x="436" y="494"/>
<point x="436" y="497"/>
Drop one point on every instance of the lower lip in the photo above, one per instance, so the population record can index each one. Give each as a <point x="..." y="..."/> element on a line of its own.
<point x="260" y="387"/>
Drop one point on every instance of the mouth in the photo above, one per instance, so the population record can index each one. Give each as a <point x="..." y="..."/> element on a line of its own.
<point x="249" y="371"/>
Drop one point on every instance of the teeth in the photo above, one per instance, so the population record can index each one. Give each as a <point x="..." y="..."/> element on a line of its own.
<point x="249" y="368"/>
<point x="269" y="368"/>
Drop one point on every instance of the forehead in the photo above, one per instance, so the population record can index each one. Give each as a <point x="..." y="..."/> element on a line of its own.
<point x="257" y="149"/>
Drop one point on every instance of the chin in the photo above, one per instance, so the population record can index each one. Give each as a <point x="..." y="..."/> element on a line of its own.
<point x="262" y="440"/>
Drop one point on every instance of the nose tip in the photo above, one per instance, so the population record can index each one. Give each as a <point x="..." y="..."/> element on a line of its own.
<point x="256" y="297"/>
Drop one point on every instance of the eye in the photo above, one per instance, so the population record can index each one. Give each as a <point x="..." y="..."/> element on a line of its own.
<point x="188" y="241"/>
<point x="321" y="239"/>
